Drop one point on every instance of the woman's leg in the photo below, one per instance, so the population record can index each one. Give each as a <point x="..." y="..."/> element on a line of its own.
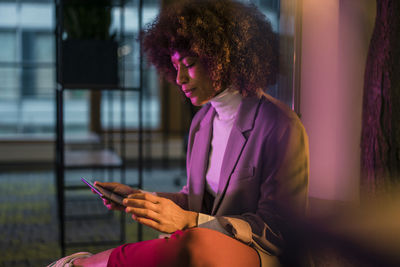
<point x="193" y="247"/>
<point x="207" y="247"/>
<point x="151" y="253"/>
<point x="97" y="260"/>
<point x="146" y="253"/>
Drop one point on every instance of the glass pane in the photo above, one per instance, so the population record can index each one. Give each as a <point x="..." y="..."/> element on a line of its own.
<point x="9" y="92"/>
<point x="8" y="14"/>
<point x="9" y="113"/>
<point x="45" y="81"/>
<point x="44" y="50"/>
<point x="112" y="107"/>
<point x="27" y="67"/>
<point x="9" y="83"/>
<point x="37" y="114"/>
<point x="130" y="57"/>
<point x="131" y="62"/>
<point x="36" y="15"/>
<point x="8" y="46"/>
<point x="76" y="111"/>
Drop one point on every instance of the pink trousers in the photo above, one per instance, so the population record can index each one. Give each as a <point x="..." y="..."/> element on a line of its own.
<point x="192" y="247"/>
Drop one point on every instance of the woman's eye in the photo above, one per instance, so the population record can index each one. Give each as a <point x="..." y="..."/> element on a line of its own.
<point x="189" y="65"/>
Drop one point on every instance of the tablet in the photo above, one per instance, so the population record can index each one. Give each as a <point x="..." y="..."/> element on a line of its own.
<point x="104" y="193"/>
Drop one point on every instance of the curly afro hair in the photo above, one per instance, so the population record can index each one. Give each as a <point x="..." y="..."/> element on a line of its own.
<point x="234" y="41"/>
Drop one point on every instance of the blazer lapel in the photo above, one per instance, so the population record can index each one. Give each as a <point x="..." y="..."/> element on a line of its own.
<point x="236" y="142"/>
<point x="199" y="161"/>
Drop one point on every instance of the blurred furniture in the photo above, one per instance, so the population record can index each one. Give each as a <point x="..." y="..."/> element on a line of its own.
<point x="88" y="60"/>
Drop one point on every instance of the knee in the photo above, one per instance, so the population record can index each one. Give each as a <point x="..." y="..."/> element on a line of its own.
<point x="194" y="247"/>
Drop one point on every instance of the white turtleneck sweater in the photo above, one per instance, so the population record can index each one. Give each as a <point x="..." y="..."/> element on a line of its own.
<point x="226" y="105"/>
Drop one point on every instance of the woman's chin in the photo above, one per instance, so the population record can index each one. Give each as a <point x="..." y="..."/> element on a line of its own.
<point x="195" y="102"/>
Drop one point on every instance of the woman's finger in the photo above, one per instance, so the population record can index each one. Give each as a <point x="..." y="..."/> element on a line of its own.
<point x="146" y="213"/>
<point x="109" y="186"/>
<point x="111" y="205"/>
<point x="139" y="203"/>
<point x="145" y="196"/>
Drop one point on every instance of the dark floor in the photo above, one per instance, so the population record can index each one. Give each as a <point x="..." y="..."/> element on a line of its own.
<point x="28" y="214"/>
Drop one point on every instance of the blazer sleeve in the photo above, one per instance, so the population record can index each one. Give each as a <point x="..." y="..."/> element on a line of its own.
<point x="283" y="191"/>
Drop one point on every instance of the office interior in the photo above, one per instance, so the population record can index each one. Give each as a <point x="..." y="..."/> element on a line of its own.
<point x="325" y="47"/>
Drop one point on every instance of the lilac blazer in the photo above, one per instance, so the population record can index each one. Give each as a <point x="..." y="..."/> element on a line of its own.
<point x="265" y="168"/>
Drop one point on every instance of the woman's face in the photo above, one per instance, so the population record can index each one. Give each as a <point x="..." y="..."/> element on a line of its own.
<point x="193" y="79"/>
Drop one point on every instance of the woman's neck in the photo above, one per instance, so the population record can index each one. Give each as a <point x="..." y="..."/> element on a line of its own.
<point x="226" y="104"/>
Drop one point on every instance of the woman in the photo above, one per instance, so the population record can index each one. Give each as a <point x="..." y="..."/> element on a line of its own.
<point x="247" y="158"/>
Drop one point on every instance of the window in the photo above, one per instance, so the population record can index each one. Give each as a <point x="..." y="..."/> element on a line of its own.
<point x="130" y="50"/>
<point x="27" y="72"/>
<point x="27" y="68"/>
<point x="282" y="15"/>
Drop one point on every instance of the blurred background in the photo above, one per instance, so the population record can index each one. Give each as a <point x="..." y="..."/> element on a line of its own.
<point x="56" y="127"/>
<point x="58" y="123"/>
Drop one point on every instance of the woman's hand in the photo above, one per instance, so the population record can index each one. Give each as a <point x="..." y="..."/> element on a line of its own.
<point x="159" y="213"/>
<point x="117" y="188"/>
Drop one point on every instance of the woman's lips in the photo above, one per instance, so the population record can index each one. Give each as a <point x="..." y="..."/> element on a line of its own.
<point x="188" y="92"/>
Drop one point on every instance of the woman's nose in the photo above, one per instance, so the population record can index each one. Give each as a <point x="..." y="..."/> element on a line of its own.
<point x="182" y="76"/>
